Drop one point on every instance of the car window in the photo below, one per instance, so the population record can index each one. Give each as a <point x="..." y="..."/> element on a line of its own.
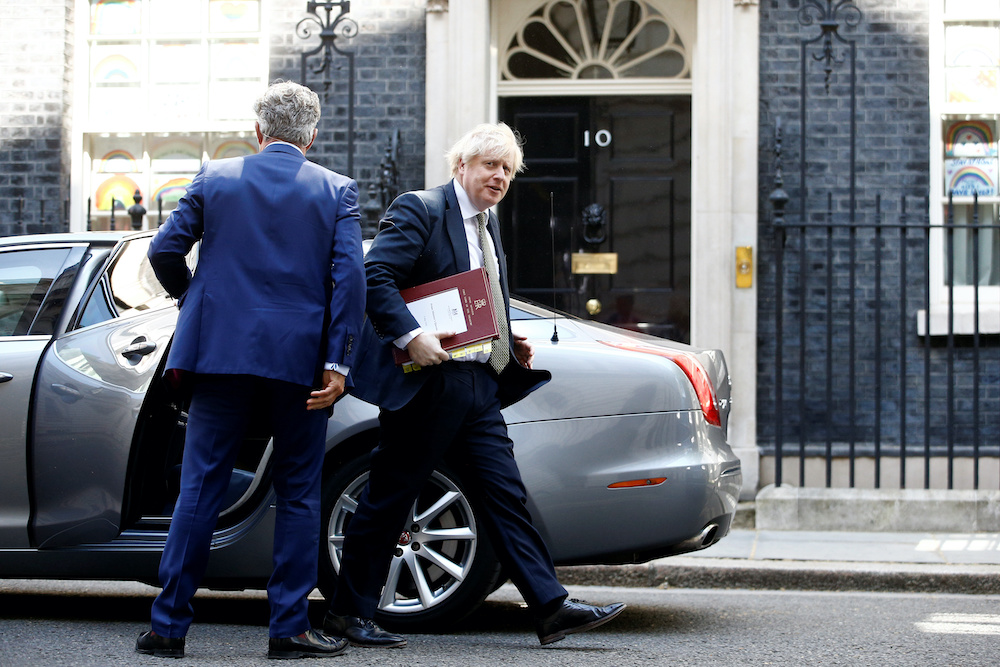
<point x="128" y="286"/>
<point x="519" y="314"/>
<point x="26" y="277"/>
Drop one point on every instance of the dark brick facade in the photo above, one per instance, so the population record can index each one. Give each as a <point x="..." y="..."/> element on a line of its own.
<point x="389" y="56"/>
<point x="36" y="65"/>
<point x="864" y="398"/>
<point x="36" y="113"/>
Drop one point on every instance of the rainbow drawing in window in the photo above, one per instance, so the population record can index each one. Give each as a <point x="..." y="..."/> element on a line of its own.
<point x="114" y="17"/>
<point x="115" y="69"/>
<point x="234" y="148"/>
<point x="119" y="188"/>
<point x="970" y="138"/>
<point x="965" y="177"/>
<point x="117" y="161"/>
<point x="171" y="191"/>
<point x="972" y="46"/>
<point x="174" y="149"/>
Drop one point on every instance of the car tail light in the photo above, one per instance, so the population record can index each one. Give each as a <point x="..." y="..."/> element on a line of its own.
<point x="632" y="483"/>
<point x="692" y="368"/>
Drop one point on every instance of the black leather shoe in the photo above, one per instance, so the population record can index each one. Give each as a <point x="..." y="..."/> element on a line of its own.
<point x="310" y="644"/>
<point x="574" y="616"/>
<point x="151" y="643"/>
<point x="361" y="632"/>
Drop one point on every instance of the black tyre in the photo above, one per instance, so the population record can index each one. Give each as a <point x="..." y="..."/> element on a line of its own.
<point x="444" y="566"/>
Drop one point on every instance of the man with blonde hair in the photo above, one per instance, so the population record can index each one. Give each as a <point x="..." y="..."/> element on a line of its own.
<point x="267" y="327"/>
<point x="449" y="407"/>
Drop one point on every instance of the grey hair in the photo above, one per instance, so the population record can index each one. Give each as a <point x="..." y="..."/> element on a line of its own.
<point x="491" y="141"/>
<point x="288" y="111"/>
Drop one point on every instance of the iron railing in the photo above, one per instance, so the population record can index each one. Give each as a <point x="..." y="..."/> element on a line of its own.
<point x="857" y="373"/>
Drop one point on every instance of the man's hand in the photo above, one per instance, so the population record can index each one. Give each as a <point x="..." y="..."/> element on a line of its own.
<point x="523" y="351"/>
<point x="333" y="386"/>
<point x="426" y="350"/>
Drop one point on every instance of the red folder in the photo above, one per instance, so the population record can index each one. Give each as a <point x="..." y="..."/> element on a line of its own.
<point x="462" y="301"/>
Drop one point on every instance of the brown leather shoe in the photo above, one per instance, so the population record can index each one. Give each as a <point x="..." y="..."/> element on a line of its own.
<point x="151" y="643"/>
<point x="310" y="644"/>
<point x="574" y="616"/>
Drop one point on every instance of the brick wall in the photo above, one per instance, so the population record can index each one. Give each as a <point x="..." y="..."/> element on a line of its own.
<point x="35" y="109"/>
<point x="891" y="158"/>
<point x="389" y="57"/>
<point x="891" y="110"/>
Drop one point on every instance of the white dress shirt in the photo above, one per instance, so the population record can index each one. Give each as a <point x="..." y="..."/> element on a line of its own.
<point x="469" y="213"/>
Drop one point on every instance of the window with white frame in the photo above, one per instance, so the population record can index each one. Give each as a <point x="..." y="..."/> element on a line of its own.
<point x="169" y="84"/>
<point x="965" y="120"/>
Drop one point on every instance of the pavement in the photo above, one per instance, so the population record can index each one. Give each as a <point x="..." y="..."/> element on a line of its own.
<point x="749" y="558"/>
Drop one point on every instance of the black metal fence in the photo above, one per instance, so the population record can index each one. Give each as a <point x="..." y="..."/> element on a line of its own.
<point x="858" y="378"/>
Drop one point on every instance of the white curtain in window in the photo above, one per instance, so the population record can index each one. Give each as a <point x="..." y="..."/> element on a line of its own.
<point x="967" y="244"/>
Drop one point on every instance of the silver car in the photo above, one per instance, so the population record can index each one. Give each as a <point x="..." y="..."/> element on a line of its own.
<point x="623" y="453"/>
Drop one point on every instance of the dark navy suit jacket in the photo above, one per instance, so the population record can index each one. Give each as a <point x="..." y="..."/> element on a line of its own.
<point x="421" y="238"/>
<point x="279" y="286"/>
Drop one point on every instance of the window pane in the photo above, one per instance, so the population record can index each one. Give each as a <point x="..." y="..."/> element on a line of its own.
<point x="970" y="138"/>
<point x="965" y="177"/>
<point x="117" y="187"/>
<point x="176" y="62"/>
<point x="975" y="246"/>
<point x="972" y="61"/>
<point x="622" y="43"/>
<point x="234" y="16"/>
<point x="177" y="153"/>
<point x="178" y="103"/>
<point x="115" y="17"/>
<point x="115" y="64"/>
<point x="971" y="7"/>
<point x="134" y="286"/>
<point x="232" y="145"/>
<point x="25" y="277"/>
<point x="168" y="190"/>
<point x="235" y="59"/>
<point x="174" y="16"/>
<point x="232" y="100"/>
<point x="116" y="154"/>
<point x="972" y="46"/>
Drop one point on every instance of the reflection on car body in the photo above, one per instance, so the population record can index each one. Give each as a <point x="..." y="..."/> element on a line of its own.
<point x="623" y="453"/>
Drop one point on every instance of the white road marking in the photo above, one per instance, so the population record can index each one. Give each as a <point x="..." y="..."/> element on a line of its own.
<point x="979" y="543"/>
<point x="961" y="624"/>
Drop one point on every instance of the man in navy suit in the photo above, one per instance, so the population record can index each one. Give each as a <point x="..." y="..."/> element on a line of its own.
<point x="273" y="310"/>
<point x="447" y="407"/>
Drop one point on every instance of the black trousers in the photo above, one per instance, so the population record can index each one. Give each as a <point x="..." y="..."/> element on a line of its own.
<point x="457" y="413"/>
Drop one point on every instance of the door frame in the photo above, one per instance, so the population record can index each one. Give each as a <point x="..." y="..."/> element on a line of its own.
<point x="462" y="87"/>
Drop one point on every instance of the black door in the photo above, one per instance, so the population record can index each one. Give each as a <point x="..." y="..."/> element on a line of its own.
<point x="599" y="223"/>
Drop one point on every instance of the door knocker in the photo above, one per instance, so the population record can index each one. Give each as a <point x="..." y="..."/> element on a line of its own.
<point x="594" y="224"/>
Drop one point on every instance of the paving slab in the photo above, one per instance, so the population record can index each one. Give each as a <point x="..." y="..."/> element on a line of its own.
<point x="819" y="560"/>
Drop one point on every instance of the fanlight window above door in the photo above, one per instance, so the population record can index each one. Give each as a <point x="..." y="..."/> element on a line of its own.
<point x="595" y="39"/>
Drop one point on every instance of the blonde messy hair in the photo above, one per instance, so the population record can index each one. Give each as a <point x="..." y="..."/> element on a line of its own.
<point x="488" y="140"/>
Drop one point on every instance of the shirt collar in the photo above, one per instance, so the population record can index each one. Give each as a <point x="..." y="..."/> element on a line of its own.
<point x="286" y="143"/>
<point x="464" y="203"/>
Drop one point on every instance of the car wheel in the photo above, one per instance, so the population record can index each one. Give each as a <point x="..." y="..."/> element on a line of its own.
<point x="443" y="567"/>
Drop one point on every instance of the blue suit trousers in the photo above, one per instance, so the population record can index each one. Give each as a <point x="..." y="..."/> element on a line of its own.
<point x="220" y="409"/>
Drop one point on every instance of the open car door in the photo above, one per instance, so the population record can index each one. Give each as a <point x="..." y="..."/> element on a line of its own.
<point x="90" y="391"/>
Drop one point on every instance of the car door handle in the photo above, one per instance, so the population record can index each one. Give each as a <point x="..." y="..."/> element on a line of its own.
<point x="5" y="377"/>
<point x="139" y="348"/>
<point x="67" y="391"/>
